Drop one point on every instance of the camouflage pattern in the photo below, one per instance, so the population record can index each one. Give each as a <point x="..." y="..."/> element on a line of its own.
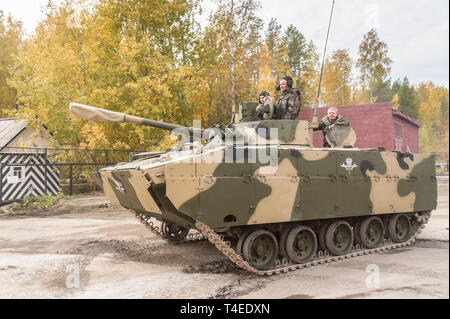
<point x="288" y="132"/>
<point x="271" y="178"/>
<point x="341" y="136"/>
<point x="288" y="106"/>
<point x="308" y="184"/>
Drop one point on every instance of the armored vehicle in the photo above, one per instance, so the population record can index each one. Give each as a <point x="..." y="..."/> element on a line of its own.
<point x="266" y="197"/>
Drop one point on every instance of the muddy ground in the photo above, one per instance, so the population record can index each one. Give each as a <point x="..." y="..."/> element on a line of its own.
<point x="84" y="248"/>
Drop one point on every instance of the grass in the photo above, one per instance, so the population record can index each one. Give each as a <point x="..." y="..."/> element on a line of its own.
<point x="42" y="201"/>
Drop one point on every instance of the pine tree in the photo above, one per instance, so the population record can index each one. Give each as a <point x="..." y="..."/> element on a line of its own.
<point x="407" y="99"/>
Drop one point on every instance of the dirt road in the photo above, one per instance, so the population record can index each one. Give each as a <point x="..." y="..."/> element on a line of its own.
<point x="84" y="249"/>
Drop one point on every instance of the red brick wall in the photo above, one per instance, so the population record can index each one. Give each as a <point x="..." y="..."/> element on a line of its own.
<point x="410" y="136"/>
<point x="373" y="125"/>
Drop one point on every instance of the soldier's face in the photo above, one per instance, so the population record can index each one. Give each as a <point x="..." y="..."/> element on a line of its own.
<point x="332" y="114"/>
<point x="283" y="85"/>
<point x="262" y="98"/>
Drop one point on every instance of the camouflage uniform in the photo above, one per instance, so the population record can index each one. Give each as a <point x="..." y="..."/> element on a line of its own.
<point x="325" y="123"/>
<point x="289" y="105"/>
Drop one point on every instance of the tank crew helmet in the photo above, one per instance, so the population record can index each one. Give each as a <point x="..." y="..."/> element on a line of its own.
<point x="289" y="82"/>
<point x="263" y="93"/>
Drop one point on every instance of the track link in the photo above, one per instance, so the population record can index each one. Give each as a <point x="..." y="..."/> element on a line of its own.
<point x="147" y="222"/>
<point x="322" y="257"/>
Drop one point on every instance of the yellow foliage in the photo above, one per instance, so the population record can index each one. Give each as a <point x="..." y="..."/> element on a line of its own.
<point x="266" y="82"/>
<point x="93" y="136"/>
<point x="433" y="115"/>
<point x="395" y="102"/>
<point x="135" y="69"/>
<point x="336" y="79"/>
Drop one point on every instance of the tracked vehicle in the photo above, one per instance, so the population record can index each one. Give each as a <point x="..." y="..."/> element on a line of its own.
<point x="268" y="199"/>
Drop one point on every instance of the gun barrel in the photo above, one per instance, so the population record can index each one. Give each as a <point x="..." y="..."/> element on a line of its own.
<point x="96" y="114"/>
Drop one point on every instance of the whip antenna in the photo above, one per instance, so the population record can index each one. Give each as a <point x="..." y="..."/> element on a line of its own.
<point x="316" y="109"/>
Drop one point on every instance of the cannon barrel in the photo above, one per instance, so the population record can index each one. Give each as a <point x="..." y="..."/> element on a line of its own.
<point x="96" y="114"/>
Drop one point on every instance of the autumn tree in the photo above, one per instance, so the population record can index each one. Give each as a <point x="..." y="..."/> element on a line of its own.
<point x="266" y="82"/>
<point x="235" y="30"/>
<point x="278" y="52"/>
<point x="124" y="55"/>
<point x="10" y="38"/>
<point x="337" y="79"/>
<point x="373" y="63"/>
<point x="433" y="114"/>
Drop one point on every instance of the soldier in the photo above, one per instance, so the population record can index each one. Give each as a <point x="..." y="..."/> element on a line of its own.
<point x="289" y="104"/>
<point x="265" y="109"/>
<point x="328" y="122"/>
<point x="262" y="97"/>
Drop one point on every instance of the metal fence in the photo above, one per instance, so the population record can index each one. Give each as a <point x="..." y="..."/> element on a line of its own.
<point x="75" y="155"/>
<point x="37" y="171"/>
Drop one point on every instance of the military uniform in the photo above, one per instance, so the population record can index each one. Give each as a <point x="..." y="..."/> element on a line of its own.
<point x="289" y="104"/>
<point x="324" y="126"/>
<point x="265" y="111"/>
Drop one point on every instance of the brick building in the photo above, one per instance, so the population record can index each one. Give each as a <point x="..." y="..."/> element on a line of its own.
<point x="375" y="125"/>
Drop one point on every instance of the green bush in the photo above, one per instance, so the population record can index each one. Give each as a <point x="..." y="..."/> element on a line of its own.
<point x="42" y="201"/>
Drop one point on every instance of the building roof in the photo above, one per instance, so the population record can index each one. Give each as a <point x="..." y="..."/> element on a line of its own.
<point x="406" y="117"/>
<point x="9" y="129"/>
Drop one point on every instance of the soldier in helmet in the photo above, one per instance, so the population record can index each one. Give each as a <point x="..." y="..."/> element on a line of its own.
<point x="328" y="122"/>
<point x="265" y="109"/>
<point x="289" y="104"/>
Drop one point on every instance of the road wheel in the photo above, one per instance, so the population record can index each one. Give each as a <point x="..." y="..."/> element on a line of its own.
<point x="174" y="233"/>
<point x="301" y="244"/>
<point x="356" y="231"/>
<point x="322" y="233"/>
<point x="399" y="228"/>
<point x="371" y="232"/>
<point x="260" y="249"/>
<point x="282" y="242"/>
<point x="240" y="243"/>
<point x="339" y="238"/>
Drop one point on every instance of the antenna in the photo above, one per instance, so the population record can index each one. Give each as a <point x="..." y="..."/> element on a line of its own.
<point x="316" y="109"/>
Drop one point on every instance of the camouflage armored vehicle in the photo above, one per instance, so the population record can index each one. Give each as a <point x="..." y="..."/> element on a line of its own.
<point x="268" y="199"/>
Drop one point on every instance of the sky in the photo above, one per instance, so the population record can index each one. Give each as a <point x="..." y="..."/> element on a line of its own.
<point x="416" y="31"/>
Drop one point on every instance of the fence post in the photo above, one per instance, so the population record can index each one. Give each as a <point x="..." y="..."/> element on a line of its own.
<point x="1" y="182"/>
<point x="70" y="183"/>
<point x="45" y="170"/>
